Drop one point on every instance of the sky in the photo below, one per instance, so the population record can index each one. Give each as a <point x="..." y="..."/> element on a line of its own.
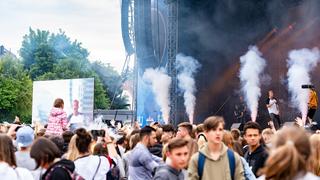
<point x="95" y="23"/>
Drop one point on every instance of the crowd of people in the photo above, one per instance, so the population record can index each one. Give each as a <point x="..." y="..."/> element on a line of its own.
<point x="205" y="151"/>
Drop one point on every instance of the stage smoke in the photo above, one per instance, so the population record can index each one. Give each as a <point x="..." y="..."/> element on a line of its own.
<point x="160" y="83"/>
<point x="187" y="66"/>
<point x="301" y="63"/>
<point x="252" y="65"/>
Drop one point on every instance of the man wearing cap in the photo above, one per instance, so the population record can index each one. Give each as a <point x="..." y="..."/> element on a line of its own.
<point x="25" y="137"/>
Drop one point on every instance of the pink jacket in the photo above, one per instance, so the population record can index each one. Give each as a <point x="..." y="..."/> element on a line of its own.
<point x="57" y="122"/>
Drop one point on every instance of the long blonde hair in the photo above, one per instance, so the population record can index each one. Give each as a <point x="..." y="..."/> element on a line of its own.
<point x="289" y="154"/>
<point x="314" y="160"/>
<point x="72" y="152"/>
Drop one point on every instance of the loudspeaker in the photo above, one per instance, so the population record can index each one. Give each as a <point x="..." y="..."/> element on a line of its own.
<point x="237" y="126"/>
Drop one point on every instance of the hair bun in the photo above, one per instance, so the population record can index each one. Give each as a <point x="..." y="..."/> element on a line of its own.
<point x="82" y="133"/>
<point x="83" y="140"/>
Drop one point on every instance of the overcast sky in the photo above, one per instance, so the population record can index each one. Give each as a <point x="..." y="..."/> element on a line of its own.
<point x="95" y="23"/>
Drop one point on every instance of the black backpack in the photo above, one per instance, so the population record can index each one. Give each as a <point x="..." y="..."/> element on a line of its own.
<point x="73" y="175"/>
<point x="114" y="172"/>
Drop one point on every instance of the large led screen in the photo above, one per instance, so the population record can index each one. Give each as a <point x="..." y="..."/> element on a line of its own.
<point x="72" y="91"/>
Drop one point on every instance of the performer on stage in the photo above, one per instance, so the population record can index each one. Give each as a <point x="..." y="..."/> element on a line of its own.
<point x="312" y="104"/>
<point x="240" y="111"/>
<point x="273" y="109"/>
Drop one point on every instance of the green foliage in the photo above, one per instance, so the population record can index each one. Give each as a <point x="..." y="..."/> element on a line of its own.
<point x="31" y="45"/>
<point x="15" y="90"/>
<point x="71" y="69"/>
<point x="48" y="56"/>
<point x="100" y="102"/>
<point x="54" y="56"/>
<point x="65" y="48"/>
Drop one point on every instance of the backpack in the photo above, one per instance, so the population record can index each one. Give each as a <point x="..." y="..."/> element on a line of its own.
<point x="114" y="172"/>
<point x="202" y="135"/>
<point x="231" y="158"/>
<point x="73" y="175"/>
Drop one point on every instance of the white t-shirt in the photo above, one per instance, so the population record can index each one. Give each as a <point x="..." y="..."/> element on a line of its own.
<point x="37" y="174"/>
<point x="9" y="173"/>
<point x="79" y="119"/>
<point x="274" y="107"/>
<point x="24" y="160"/>
<point x="87" y="166"/>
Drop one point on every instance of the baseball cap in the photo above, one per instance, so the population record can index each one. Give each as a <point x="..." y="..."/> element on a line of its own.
<point x="25" y="136"/>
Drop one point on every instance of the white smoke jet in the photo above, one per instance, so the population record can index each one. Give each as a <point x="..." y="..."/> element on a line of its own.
<point x="300" y="63"/>
<point x="160" y="83"/>
<point x="252" y="65"/>
<point x="187" y="67"/>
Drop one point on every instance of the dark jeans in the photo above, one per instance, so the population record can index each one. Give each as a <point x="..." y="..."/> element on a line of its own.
<point x="311" y="112"/>
<point x="276" y="120"/>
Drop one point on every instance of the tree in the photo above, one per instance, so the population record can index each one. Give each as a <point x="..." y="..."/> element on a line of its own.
<point x="65" y="48"/>
<point x="31" y="44"/>
<point x="70" y="69"/>
<point x="15" y="90"/>
<point x="112" y="82"/>
<point x="54" y="56"/>
<point x="44" y="61"/>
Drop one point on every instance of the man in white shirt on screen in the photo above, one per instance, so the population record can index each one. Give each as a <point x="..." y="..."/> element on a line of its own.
<point x="76" y="119"/>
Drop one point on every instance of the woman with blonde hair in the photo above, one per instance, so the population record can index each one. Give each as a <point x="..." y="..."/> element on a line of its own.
<point x="288" y="156"/>
<point x="72" y="153"/>
<point x="314" y="160"/>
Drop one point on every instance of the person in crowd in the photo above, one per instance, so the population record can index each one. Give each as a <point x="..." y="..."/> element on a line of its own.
<point x="87" y="165"/>
<point x="76" y="119"/>
<point x="177" y="153"/>
<point x="121" y="146"/>
<point x="215" y="160"/>
<point x="134" y="139"/>
<point x="273" y="109"/>
<point x="185" y="132"/>
<point x="72" y="152"/>
<point x="167" y="133"/>
<point x="141" y="162"/>
<point x="58" y="141"/>
<point x="314" y="160"/>
<point x="8" y="165"/>
<point x="57" y="121"/>
<point x="12" y="131"/>
<point x="201" y="138"/>
<point x="41" y="132"/>
<point x="289" y="155"/>
<point x="3" y="128"/>
<point x="48" y="163"/>
<point x="66" y="135"/>
<point x="230" y="143"/>
<point x="157" y="148"/>
<point x="267" y="135"/>
<point x="236" y="134"/>
<point x="101" y="149"/>
<point x="240" y="111"/>
<point x="25" y="137"/>
<point x="256" y="154"/>
<point x="17" y="120"/>
<point x="115" y="152"/>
